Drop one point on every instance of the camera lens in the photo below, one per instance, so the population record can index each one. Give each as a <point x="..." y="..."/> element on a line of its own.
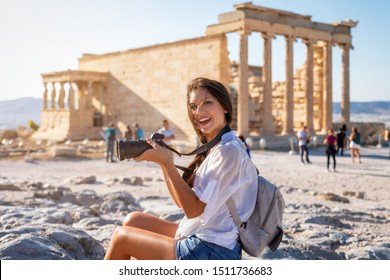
<point x="131" y="148"/>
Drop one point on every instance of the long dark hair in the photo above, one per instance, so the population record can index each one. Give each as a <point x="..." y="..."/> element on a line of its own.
<point x="219" y="92"/>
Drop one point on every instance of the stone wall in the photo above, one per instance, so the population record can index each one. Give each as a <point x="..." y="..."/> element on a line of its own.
<point x="147" y="85"/>
<point x="55" y="124"/>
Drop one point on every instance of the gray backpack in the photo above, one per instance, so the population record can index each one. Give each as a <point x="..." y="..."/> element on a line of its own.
<point x="264" y="226"/>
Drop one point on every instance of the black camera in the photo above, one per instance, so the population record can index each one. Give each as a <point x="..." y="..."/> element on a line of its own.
<point x="132" y="148"/>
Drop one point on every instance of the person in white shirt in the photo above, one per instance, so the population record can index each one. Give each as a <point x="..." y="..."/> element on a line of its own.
<point x="207" y="231"/>
<point x="168" y="134"/>
<point x="167" y="131"/>
<point x="303" y="138"/>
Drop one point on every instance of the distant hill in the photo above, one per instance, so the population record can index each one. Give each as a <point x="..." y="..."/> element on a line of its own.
<point x="374" y="107"/>
<point x="18" y="112"/>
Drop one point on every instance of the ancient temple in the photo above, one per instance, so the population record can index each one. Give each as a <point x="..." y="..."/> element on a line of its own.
<point x="147" y="85"/>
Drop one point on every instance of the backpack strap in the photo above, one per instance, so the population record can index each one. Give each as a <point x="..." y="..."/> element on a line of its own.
<point x="233" y="212"/>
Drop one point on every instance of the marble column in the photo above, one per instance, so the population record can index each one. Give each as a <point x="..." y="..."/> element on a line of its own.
<point x="288" y="118"/>
<point x="61" y="97"/>
<point x="345" y="95"/>
<point x="327" y="97"/>
<point x="309" y="85"/>
<point x="243" y="92"/>
<point x="71" y="97"/>
<point x="80" y="103"/>
<point x="319" y="81"/>
<point x="268" y="126"/>
<point x="53" y="96"/>
<point x="89" y="95"/>
<point x="45" y="97"/>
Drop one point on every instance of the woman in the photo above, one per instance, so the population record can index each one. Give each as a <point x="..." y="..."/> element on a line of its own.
<point x="207" y="231"/>
<point x="354" y="145"/>
<point x="128" y="135"/>
<point x="330" y="142"/>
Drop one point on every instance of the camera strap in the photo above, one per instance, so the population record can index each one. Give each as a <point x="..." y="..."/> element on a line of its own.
<point x="207" y="146"/>
<point x="204" y="148"/>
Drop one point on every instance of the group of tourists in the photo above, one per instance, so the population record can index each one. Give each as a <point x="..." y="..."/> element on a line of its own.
<point x="112" y="134"/>
<point x="334" y="144"/>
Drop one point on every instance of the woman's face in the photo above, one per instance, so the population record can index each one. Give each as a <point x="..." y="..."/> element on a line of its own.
<point x="208" y="113"/>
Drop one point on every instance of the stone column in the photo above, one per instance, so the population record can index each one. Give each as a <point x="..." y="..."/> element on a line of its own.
<point x="45" y="97"/>
<point x="243" y="92"/>
<point x="78" y="93"/>
<point x="71" y="97"/>
<point x="288" y="118"/>
<point x="319" y="81"/>
<point x="61" y="97"/>
<point x="309" y="85"/>
<point x="327" y="103"/>
<point x="80" y="96"/>
<point x="89" y="95"/>
<point x="53" y="96"/>
<point x="345" y="96"/>
<point x="268" y="126"/>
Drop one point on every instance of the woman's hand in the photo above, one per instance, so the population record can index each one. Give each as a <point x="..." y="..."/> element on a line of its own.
<point x="158" y="154"/>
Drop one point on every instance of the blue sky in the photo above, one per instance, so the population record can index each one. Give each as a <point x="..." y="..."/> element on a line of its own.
<point x="40" y="36"/>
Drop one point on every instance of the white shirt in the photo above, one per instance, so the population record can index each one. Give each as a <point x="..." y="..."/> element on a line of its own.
<point x="167" y="133"/>
<point x="226" y="170"/>
<point x="302" y="134"/>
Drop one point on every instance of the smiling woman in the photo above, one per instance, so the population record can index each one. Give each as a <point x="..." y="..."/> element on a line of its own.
<point x="207" y="231"/>
<point x="208" y="112"/>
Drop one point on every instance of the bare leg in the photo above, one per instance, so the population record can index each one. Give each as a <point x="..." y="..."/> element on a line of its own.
<point x="143" y="237"/>
<point x="353" y="154"/>
<point x="358" y="155"/>
<point x="151" y="223"/>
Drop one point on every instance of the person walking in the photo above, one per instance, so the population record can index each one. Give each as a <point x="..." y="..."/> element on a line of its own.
<point x="207" y="230"/>
<point x="354" y="144"/>
<point x="111" y="134"/>
<point x="330" y="142"/>
<point x="303" y="141"/>
<point x="341" y="139"/>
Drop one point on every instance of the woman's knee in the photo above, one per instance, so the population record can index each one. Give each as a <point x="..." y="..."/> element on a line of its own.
<point x="131" y="220"/>
<point x="119" y="235"/>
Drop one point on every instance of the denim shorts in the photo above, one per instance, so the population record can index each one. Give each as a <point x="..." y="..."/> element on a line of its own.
<point x="194" y="248"/>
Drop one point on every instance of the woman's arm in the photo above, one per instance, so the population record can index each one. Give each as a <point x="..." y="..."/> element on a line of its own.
<point x="170" y="188"/>
<point x="181" y="193"/>
<point x="186" y="198"/>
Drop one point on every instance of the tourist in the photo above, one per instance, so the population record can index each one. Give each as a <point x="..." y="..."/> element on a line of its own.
<point x="111" y="134"/>
<point x="341" y="139"/>
<point x="330" y="150"/>
<point x="138" y="132"/>
<point x="248" y="149"/>
<point x="354" y="144"/>
<point x="207" y="231"/>
<point x="303" y="138"/>
<point x="168" y="134"/>
<point x="128" y="135"/>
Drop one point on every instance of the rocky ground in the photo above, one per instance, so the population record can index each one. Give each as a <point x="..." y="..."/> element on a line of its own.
<point x="67" y="208"/>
